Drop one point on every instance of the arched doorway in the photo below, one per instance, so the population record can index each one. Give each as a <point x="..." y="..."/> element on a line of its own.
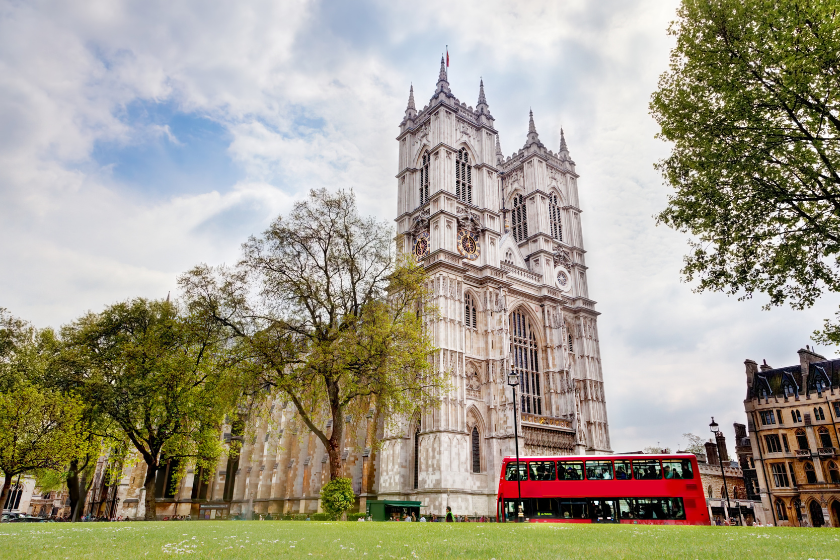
<point x="817" y="519"/>
<point x="835" y="513"/>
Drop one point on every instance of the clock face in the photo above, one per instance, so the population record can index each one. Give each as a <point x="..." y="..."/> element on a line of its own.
<point x="468" y="244"/>
<point x="563" y="280"/>
<point x="421" y="245"/>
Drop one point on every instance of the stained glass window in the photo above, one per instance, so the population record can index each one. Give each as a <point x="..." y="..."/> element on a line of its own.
<point x="524" y="352"/>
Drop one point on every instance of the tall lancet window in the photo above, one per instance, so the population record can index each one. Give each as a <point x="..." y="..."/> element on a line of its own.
<point x="469" y="312"/>
<point x="519" y="219"/>
<point x="476" y="451"/>
<point x="463" y="177"/>
<point x="525" y="362"/>
<point x="554" y="218"/>
<point x="424" y="179"/>
<point x="417" y="457"/>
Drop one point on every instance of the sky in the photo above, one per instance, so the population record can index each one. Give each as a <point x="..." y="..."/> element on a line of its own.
<point x="141" y="138"/>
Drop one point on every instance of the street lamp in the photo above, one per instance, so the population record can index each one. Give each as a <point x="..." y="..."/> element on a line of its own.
<point x="715" y="429"/>
<point x="513" y="381"/>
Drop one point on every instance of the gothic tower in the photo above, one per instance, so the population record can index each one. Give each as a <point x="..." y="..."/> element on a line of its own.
<point x="501" y="239"/>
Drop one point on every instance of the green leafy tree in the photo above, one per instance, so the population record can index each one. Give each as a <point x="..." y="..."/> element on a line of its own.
<point x="750" y="106"/>
<point x="161" y="376"/>
<point x="696" y="444"/>
<point x="337" y="497"/>
<point x="329" y="315"/>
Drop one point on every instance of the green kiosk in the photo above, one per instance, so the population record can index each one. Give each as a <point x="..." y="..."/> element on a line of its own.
<point x="392" y="510"/>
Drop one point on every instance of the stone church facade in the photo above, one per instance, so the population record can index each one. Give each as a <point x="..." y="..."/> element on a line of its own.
<point x="502" y="241"/>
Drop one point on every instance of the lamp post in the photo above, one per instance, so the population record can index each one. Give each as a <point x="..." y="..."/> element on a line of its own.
<point x="715" y="429"/>
<point x="513" y="381"/>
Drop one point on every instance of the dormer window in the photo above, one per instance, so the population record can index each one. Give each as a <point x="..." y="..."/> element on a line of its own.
<point x="424" y="179"/>
<point x="554" y="218"/>
<point x="463" y="177"/>
<point x="519" y="219"/>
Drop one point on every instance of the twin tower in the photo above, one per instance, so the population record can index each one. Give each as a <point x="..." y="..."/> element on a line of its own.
<point x="502" y="242"/>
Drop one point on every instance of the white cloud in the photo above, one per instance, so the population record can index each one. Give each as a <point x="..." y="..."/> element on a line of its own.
<point x="311" y="94"/>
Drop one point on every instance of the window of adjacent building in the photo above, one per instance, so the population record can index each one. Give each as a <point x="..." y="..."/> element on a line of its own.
<point x="796" y="415"/>
<point x="818" y="413"/>
<point x="165" y="480"/>
<point x="810" y="473"/>
<point x="780" y="477"/>
<point x="424" y="178"/>
<point x="837" y="409"/>
<point x="792" y="474"/>
<point x="417" y="457"/>
<point x="13" y="498"/>
<point x="767" y="417"/>
<point x="773" y="443"/>
<point x="833" y="472"/>
<point x="789" y="390"/>
<point x="525" y="354"/>
<point x="781" y="510"/>
<point x="571" y="349"/>
<point x="779" y="416"/>
<point x="476" y="451"/>
<point x="802" y="439"/>
<point x="201" y="482"/>
<point x="463" y="177"/>
<point x="785" y="443"/>
<point x="554" y="218"/>
<point x="825" y="437"/>
<point x="469" y="312"/>
<point x="519" y="219"/>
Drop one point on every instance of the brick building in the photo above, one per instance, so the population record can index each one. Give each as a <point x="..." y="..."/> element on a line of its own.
<point x="793" y="414"/>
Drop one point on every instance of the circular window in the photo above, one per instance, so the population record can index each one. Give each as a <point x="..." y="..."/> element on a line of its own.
<point x="562" y="279"/>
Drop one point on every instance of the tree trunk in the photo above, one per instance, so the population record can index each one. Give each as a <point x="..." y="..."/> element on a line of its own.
<point x="149" y="485"/>
<point x="7" y="485"/>
<point x="334" y="447"/>
<point x="73" y="489"/>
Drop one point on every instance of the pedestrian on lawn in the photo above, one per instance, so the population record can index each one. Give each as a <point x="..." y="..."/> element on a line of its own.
<point x="449" y="517"/>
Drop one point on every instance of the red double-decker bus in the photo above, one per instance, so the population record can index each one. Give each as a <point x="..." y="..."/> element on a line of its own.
<point x="644" y="489"/>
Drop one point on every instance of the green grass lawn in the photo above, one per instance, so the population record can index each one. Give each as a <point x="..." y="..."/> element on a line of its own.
<point x="374" y="541"/>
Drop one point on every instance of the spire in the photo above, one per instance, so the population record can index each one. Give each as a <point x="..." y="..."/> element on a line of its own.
<point x="411" y="100"/>
<point x="533" y="137"/>
<point x="500" y="157"/>
<point x="443" y="82"/>
<point x="481" y="99"/>
<point x="564" y="149"/>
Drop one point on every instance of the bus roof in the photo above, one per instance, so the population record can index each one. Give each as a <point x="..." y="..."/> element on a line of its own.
<point x="602" y="457"/>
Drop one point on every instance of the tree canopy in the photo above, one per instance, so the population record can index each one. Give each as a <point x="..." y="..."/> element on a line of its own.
<point x="329" y="314"/>
<point x="162" y="376"/>
<point x="751" y="107"/>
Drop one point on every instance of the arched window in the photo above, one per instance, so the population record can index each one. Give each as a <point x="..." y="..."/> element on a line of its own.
<point x="424" y="178"/>
<point x="476" y="451"/>
<point x="463" y="177"/>
<point x="825" y="437"/>
<point x="796" y="415"/>
<point x="802" y="439"/>
<point x="810" y="474"/>
<point x="781" y="510"/>
<point x="13" y="498"/>
<point x="789" y="390"/>
<point x="833" y="472"/>
<point x="523" y="349"/>
<point x="519" y="219"/>
<point x="571" y="349"/>
<point x="711" y="491"/>
<point x="509" y="256"/>
<point x="469" y="312"/>
<point x="417" y="457"/>
<point x="554" y="218"/>
<point x="818" y="413"/>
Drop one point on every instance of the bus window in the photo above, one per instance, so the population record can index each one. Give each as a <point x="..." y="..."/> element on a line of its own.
<point x="574" y="509"/>
<point x="625" y="507"/>
<point x="544" y="508"/>
<point x="510" y="472"/>
<point x="677" y="468"/>
<point x="570" y="470"/>
<point x="623" y="470"/>
<point x="541" y="470"/>
<point x="659" y="508"/>
<point x="510" y="511"/>
<point x="599" y="470"/>
<point x="647" y="469"/>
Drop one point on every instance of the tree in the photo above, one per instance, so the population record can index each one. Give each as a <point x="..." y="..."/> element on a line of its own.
<point x="37" y="422"/>
<point x="162" y="377"/>
<point x="696" y="444"/>
<point x="329" y="314"/>
<point x="337" y="496"/>
<point x="751" y="105"/>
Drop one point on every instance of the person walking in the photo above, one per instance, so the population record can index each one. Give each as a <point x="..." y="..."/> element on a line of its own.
<point x="449" y="517"/>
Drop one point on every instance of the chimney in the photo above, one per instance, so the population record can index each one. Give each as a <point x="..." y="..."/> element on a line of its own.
<point x="807" y="356"/>
<point x="751" y="369"/>
<point x="721" y="445"/>
<point x="740" y="431"/>
<point x="711" y="453"/>
<point x="764" y="366"/>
